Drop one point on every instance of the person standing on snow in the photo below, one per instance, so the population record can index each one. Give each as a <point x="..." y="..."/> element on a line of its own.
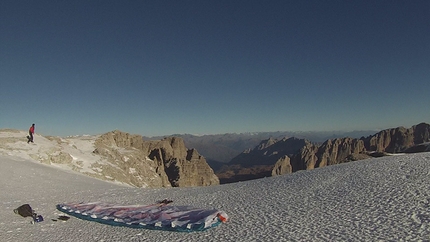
<point x="30" y="134"/>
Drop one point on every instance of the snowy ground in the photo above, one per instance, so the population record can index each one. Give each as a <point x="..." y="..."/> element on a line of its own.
<point x="80" y="148"/>
<point x="69" y="153"/>
<point x="384" y="199"/>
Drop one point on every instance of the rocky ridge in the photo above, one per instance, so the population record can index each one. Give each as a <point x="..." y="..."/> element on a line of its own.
<point x="116" y="156"/>
<point x="219" y="149"/>
<point x="281" y="157"/>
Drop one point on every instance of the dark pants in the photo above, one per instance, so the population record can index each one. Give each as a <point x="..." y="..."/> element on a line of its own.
<point x="30" y="137"/>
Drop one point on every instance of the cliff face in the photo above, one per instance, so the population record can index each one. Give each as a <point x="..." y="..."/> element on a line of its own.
<point x="157" y="163"/>
<point x="332" y="151"/>
<point x="282" y="166"/>
<point x="287" y="155"/>
<point x="338" y="150"/>
<point x="184" y="167"/>
<point x="306" y="158"/>
<point x="343" y="150"/>
<point x="290" y="155"/>
<point x="398" y="139"/>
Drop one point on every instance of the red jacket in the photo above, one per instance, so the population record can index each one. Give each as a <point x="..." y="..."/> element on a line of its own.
<point x="32" y="129"/>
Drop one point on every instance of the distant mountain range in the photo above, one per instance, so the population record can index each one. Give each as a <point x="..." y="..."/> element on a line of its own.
<point x="286" y="155"/>
<point x="167" y="162"/>
<point x="219" y="149"/>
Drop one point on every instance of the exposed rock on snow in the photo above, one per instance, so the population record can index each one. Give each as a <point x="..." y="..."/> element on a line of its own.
<point x="117" y="157"/>
<point x="169" y="158"/>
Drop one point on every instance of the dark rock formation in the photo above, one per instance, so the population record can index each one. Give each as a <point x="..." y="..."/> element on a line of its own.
<point x="235" y="173"/>
<point x="268" y="152"/>
<point x="259" y="162"/>
<point x="424" y="147"/>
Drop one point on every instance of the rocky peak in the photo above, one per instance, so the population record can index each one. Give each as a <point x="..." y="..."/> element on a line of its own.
<point x="183" y="167"/>
<point x="335" y="151"/>
<point x="265" y="143"/>
<point x="397" y="139"/>
<point x="306" y="158"/>
<point x="178" y="146"/>
<point x="169" y="159"/>
<point x="291" y="154"/>
<point x="192" y="154"/>
<point x="121" y="139"/>
<point x="282" y="166"/>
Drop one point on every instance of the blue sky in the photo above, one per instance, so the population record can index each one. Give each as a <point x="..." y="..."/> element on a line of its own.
<point x="209" y="67"/>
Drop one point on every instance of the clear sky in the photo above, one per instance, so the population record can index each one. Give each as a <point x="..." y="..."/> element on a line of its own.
<point x="210" y="67"/>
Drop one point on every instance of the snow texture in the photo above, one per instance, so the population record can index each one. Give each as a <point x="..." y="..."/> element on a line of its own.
<point x="381" y="199"/>
<point x="80" y="148"/>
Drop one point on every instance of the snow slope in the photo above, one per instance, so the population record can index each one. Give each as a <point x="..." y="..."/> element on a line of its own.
<point x="383" y="199"/>
<point x="80" y="148"/>
<point x="70" y="153"/>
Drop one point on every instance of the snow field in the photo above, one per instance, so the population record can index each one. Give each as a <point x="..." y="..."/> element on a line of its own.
<point x="382" y="199"/>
